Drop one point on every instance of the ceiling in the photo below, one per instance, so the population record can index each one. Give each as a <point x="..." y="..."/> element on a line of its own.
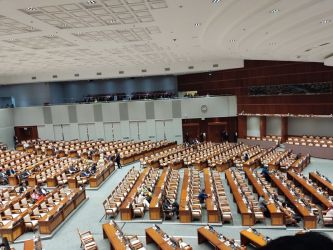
<point x="57" y="40"/>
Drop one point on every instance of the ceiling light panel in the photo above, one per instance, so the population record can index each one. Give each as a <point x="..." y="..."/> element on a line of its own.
<point x="9" y="26"/>
<point x="118" y="36"/>
<point x="41" y="42"/>
<point x="101" y="13"/>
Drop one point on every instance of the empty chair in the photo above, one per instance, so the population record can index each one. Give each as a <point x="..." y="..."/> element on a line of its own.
<point x="87" y="240"/>
<point x="110" y="209"/>
<point x="29" y="223"/>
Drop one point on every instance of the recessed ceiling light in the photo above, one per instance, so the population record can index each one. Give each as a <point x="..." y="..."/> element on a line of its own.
<point x="232" y="40"/>
<point x="326" y="21"/>
<point x="197" y="24"/>
<point x="31" y="9"/>
<point x="91" y="2"/>
<point x="216" y="1"/>
<point x="273" y="11"/>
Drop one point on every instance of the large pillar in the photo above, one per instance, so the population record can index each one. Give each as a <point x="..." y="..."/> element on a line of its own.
<point x="284" y="129"/>
<point x="263" y="125"/>
<point x="242" y="126"/>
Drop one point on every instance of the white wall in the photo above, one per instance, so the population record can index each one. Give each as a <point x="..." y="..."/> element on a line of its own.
<point x="164" y="123"/>
<point x="310" y="126"/>
<point x="253" y="126"/>
<point x="7" y="127"/>
<point x="221" y="106"/>
<point x="273" y="126"/>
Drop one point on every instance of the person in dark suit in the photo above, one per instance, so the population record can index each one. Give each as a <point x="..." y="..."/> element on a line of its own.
<point x="117" y="159"/>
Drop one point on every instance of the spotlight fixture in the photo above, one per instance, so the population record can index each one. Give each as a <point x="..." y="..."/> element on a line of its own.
<point x="91" y="2"/>
<point x="197" y="24"/>
<point x="216" y="1"/>
<point x="232" y="40"/>
<point x="273" y="11"/>
<point x="31" y="9"/>
<point x="326" y="21"/>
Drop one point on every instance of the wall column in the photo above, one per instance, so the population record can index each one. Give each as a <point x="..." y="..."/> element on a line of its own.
<point x="284" y="129"/>
<point x="242" y="127"/>
<point x="263" y="125"/>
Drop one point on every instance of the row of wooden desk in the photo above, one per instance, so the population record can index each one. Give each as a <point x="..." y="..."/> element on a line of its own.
<point x="155" y="208"/>
<point x="185" y="215"/>
<point x="310" y="220"/>
<point x="247" y="215"/>
<point x="126" y="212"/>
<point x="322" y="182"/>
<point x="309" y="189"/>
<point x="211" y="206"/>
<point x="109" y="232"/>
<point x="277" y="216"/>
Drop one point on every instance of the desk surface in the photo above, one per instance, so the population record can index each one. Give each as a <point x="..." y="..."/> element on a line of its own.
<point x="158" y="239"/>
<point x="130" y="197"/>
<point x="110" y="231"/>
<point x="212" y="237"/>
<point x="257" y="240"/>
<point x="312" y="190"/>
<point x="158" y="188"/>
<point x="324" y="183"/>
<point x="285" y="190"/>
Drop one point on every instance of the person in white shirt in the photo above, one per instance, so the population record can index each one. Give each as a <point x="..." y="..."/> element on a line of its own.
<point x="141" y="199"/>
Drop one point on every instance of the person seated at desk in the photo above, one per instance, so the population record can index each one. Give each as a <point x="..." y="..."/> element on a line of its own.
<point x="72" y="169"/>
<point x="291" y="217"/>
<point x="3" y="177"/>
<point x="263" y="206"/>
<point x="85" y="173"/>
<point x="202" y="196"/>
<point x="42" y="191"/>
<point x="35" y="196"/>
<point x="23" y="187"/>
<point x="168" y="205"/>
<point x="265" y="173"/>
<point x="141" y="200"/>
<point x="93" y="168"/>
<point x="10" y="172"/>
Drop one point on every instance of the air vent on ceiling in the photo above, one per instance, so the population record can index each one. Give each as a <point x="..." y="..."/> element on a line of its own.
<point x="166" y="69"/>
<point x="324" y="44"/>
<point x="190" y="67"/>
<point x="76" y="75"/>
<point x="215" y="65"/>
<point x="143" y="70"/>
<point x="34" y="78"/>
<point x="99" y="73"/>
<point x="54" y="76"/>
<point x="121" y="72"/>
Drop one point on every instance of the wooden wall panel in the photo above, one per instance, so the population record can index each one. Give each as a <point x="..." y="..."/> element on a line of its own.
<point x="237" y="81"/>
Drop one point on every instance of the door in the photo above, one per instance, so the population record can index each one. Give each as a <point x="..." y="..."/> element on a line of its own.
<point x="26" y="133"/>
<point x="134" y="131"/>
<point x="160" y="133"/>
<point x="58" y="133"/>
<point x="169" y="132"/>
<point x="112" y="131"/>
<point x="143" y="135"/>
<point x="83" y="132"/>
<point x="215" y="130"/>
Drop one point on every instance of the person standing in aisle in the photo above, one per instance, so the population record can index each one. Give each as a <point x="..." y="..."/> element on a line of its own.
<point x="117" y="159"/>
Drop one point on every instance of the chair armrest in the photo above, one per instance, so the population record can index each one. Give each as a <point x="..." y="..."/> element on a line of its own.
<point x="7" y="217"/>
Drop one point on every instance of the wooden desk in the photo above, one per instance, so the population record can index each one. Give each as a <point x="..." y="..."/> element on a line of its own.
<point x="212" y="211"/>
<point x="126" y="212"/>
<point x="322" y="182"/>
<point x="13" y="180"/>
<point x="109" y="232"/>
<point x="248" y="237"/>
<point x="246" y="213"/>
<point x="277" y="217"/>
<point x="310" y="220"/>
<point x="51" y="181"/>
<point x="153" y="236"/>
<point x="58" y="213"/>
<point x="154" y="206"/>
<point x="101" y="175"/>
<point x="309" y="189"/>
<point x="29" y="245"/>
<point x="204" y="235"/>
<point x="184" y="210"/>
